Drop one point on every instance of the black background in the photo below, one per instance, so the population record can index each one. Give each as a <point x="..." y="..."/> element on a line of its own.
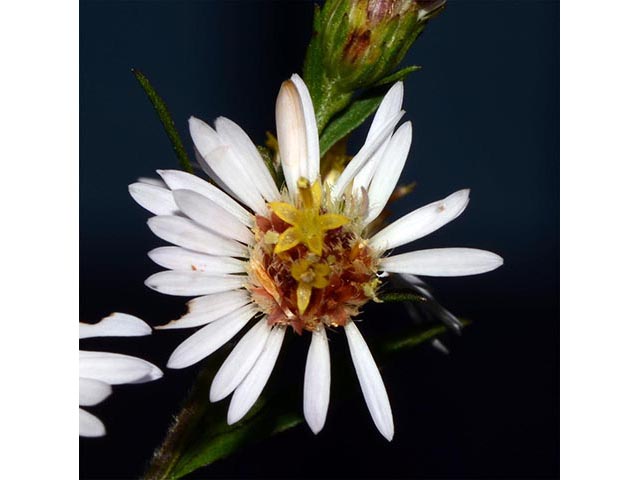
<point x="485" y="113"/>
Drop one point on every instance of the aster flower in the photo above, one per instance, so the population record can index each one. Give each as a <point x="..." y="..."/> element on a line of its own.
<point x="302" y="256"/>
<point x="100" y="370"/>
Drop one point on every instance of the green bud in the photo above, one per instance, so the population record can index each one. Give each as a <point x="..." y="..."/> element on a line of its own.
<point x="358" y="43"/>
<point x="365" y="40"/>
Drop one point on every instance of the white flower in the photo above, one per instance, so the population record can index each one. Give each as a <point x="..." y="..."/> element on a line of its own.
<point x="100" y="370"/>
<point x="301" y="256"/>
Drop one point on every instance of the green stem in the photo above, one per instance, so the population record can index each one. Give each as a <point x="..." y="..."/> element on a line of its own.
<point x="167" y="455"/>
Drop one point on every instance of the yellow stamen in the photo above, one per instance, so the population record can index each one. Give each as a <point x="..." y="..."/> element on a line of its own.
<point x="309" y="276"/>
<point x="304" y="187"/>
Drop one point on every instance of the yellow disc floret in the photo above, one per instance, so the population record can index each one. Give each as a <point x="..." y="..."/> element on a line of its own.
<point x="308" y="223"/>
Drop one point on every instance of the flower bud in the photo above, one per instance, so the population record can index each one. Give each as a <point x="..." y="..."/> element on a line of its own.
<point x="363" y="41"/>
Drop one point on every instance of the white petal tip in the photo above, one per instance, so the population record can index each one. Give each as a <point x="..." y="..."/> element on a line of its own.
<point x="155" y="374"/>
<point x="316" y="429"/>
<point x="216" y="393"/>
<point x="233" y="418"/>
<point x="388" y="435"/>
<point x="398" y="86"/>
<point x="213" y="398"/>
<point x="90" y="425"/>
<point x="175" y="363"/>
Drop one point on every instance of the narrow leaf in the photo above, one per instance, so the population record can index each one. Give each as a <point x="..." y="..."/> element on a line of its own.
<point x="165" y="117"/>
<point x="348" y="121"/>
<point x="415" y="338"/>
<point x="402" y="297"/>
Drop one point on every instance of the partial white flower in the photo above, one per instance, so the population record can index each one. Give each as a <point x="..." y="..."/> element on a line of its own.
<point x="100" y="370"/>
<point x="302" y="256"/>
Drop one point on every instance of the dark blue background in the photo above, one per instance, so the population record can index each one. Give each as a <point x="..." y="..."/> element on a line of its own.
<point x="485" y="111"/>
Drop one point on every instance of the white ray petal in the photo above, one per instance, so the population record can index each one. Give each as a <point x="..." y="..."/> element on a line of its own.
<point x="389" y="107"/>
<point x="92" y="391"/>
<point x="251" y="387"/>
<point x="421" y="222"/>
<point x="211" y="174"/>
<point x="443" y="262"/>
<point x="116" y="369"/>
<point x="240" y="361"/>
<point x="158" y="200"/>
<point x="210" y="303"/>
<point x="311" y="168"/>
<point x="220" y="305"/>
<point x="364" y="176"/>
<point x="226" y="165"/>
<point x="178" y="180"/>
<point x="188" y="234"/>
<point x="115" y="325"/>
<point x="191" y="284"/>
<point x="365" y="154"/>
<point x="152" y="181"/>
<point x="177" y="258"/>
<point x="375" y="395"/>
<point x="90" y="425"/>
<point x="231" y="134"/>
<point x="210" y="338"/>
<point x="386" y="176"/>
<point x="203" y="211"/>
<point x="317" y="381"/>
<point x="291" y="132"/>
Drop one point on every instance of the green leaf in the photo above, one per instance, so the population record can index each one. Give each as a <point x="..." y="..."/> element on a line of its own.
<point x="415" y="338"/>
<point x="402" y="297"/>
<point x="399" y="75"/>
<point x="348" y="121"/>
<point x="200" y="434"/>
<point x="165" y="117"/>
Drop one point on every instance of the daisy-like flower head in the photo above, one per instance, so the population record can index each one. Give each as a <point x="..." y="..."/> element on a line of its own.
<point x="299" y="256"/>
<point x="100" y="370"/>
